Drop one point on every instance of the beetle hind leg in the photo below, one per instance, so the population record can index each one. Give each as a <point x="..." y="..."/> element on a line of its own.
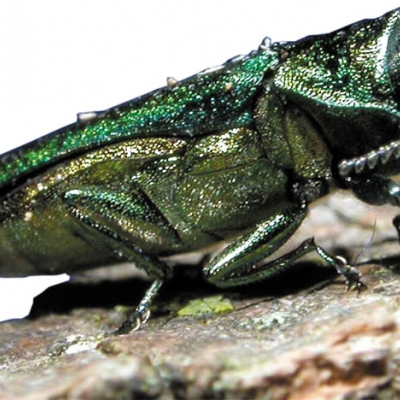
<point x="142" y="311"/>
<point x="115" y="221"/>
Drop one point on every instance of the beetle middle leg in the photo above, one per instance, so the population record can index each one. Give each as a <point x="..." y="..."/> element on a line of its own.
<point x="239" y="263"/>
<point x="118" y="220"/>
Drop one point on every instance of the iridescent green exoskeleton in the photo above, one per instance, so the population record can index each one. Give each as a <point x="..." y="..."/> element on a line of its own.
<point x="235" y="152"/>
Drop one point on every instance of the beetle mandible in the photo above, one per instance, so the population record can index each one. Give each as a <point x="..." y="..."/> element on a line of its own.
<point x="234" y="152"/>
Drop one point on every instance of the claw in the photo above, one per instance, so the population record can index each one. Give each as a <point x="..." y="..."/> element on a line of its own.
<point x="142" y="312"/>
<point x="133" y="322"/>
<point x="350" y="273"/>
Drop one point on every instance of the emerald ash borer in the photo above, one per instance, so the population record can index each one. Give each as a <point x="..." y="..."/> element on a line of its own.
<point x="235" y="152"/>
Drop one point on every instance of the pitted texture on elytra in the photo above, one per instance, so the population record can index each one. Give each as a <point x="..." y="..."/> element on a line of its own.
<point x="206" y="102"/>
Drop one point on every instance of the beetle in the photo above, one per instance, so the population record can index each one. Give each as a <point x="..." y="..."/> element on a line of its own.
<point x="236" y="152"/>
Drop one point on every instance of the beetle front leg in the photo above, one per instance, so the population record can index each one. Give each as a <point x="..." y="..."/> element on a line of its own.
<point x="239" y="263"/>
<point x="111" y="219"/>
<point x="377" y="190"/>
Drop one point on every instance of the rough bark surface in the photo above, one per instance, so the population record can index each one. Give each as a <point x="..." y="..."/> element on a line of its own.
<point x="292" y="337"/>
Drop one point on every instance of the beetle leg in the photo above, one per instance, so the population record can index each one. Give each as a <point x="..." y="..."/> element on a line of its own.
<point x="112" y="218"/>
<point x="374" y="189"/>
<point x="239" y="263"/>
<point x="394" y="193"/>
<point x="142" y="311"/>
<point x="377" y="190"/>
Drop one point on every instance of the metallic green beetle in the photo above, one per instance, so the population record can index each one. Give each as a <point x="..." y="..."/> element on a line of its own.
<point x="235" y="152"/>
